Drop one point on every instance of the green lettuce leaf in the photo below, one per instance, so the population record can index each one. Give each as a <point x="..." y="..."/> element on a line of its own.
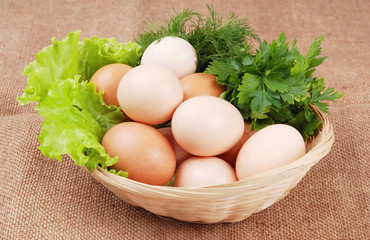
<point x="75" y="115"/>
<point x="53" y="63"/>
<point x="97" y="52"/>
<point x="69" y="57"/>
<point x="75" y="120"/>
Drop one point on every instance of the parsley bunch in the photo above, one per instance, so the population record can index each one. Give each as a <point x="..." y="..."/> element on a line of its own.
<point x="276" y="84"/>
<point x="212" y="37"/>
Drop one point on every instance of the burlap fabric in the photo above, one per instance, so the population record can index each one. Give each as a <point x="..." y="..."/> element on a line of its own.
<point x="45" y="199"/>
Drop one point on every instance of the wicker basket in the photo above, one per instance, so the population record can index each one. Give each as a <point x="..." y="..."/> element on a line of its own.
<point x="223" y="203"/>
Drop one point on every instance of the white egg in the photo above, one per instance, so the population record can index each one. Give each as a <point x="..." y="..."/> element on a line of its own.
<point x="207" y="125"/>
<point x="271" y="147"/>
<point x="174" y="53"/>
<point x="149" y="94"/>
<point x="203" y="172"/>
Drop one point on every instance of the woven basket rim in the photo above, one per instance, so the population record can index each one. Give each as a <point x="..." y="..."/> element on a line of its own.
<point x="324" y="140"/>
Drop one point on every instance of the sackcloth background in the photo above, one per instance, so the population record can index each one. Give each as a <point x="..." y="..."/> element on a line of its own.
<point x="42" y="198"/>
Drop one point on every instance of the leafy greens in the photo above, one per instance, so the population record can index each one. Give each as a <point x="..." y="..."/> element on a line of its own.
<point x="273" y="84"/>
<point x="276" y="84"/>
<point x="75" y="114"/>
<point x="212" y="38"/>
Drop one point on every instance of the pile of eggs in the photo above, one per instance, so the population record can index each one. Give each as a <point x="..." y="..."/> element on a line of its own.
<point x="208" y="142"/>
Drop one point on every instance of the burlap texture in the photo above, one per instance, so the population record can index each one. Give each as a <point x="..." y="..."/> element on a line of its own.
<point x="45" y="199"/>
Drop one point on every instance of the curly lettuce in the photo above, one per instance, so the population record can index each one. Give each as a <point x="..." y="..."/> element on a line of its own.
<point x="75" y="120"/>
<point x="68" y="57"/>
<point x="97" y="52"/>
<point x="53" y="63"/>
<point x="75" y="114"/>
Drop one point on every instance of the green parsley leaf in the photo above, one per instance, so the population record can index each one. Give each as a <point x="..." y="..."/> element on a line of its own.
<point x="275" y="82"/>
<point x="250" y="84"/>
<point x="276" y="85"/>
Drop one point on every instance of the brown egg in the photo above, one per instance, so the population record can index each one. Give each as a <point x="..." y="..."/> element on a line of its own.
<point x="142" y="151"/>
<point x="198" y="84"/>
<point x="231" y="155"/>
<point x="180" y="153"/>
<point x="107" y="78"/>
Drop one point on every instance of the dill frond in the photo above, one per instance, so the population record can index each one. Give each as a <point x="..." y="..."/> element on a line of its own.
<point x="212" y="38"/>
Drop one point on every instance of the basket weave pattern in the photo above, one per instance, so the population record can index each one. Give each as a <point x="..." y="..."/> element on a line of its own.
<point x="224" y="203"/>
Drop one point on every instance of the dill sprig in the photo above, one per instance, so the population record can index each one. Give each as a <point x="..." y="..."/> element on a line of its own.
<point x="212" y="38"/>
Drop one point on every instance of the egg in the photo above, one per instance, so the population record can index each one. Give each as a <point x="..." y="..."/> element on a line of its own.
<point x="174" y="53"/>
<point x="149" y="94"/>
<point x="180" y="153"/>
<point x="198" y="84"/>
<point x="231" y="155"/>
<point x="107" y="79"/>
<point x="207" y="125"/>
<point x="204" y="172"/>
<point x="269" y="148"/>
<point x="142" y="151"/>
